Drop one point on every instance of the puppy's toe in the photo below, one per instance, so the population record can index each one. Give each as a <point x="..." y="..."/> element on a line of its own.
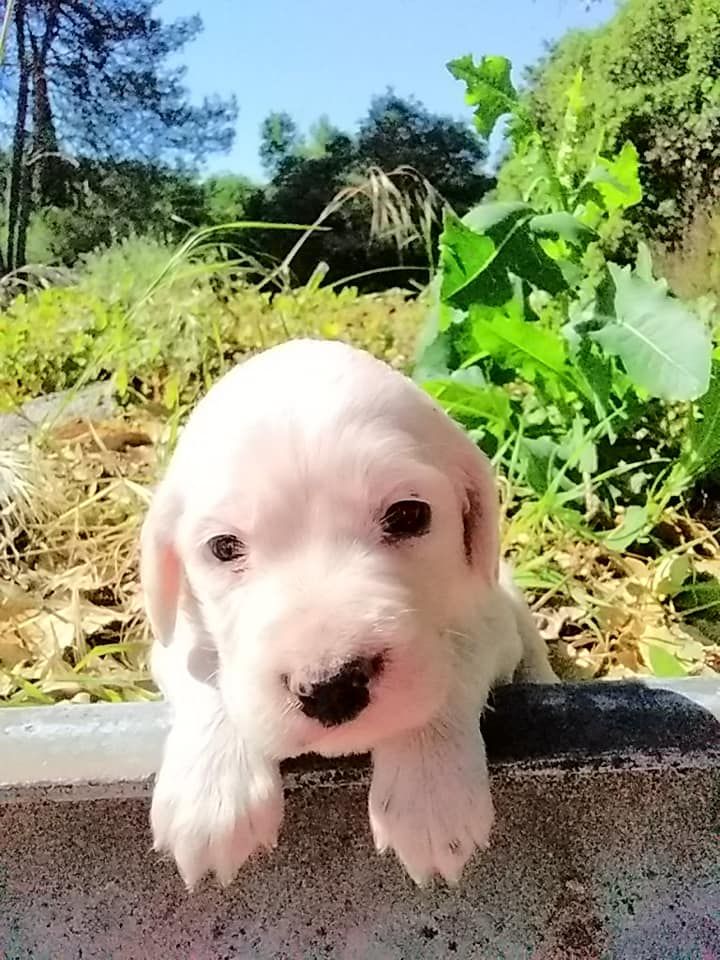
<point x="251" y="832"/>
<point x="472" y="829"/>
<point x="450" y="857"/>
<point x="192" y="860"/>
<point x="265" y="811"/>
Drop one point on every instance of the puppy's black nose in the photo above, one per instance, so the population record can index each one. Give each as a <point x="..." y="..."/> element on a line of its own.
<point x="341" y="697"/>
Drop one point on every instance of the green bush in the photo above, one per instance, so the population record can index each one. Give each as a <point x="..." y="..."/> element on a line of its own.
<point x="48" y="341"/>
<point x="171" y="339"/>
<point x="651" y="77"/>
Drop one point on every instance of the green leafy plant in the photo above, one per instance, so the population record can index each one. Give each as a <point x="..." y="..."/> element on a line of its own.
<point x="585" y="377"/>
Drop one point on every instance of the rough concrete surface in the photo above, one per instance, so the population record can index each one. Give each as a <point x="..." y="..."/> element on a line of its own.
<point x="607" y="846"/>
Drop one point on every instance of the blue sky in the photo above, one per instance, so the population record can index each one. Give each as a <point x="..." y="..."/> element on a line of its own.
<point x="309" y="58"/>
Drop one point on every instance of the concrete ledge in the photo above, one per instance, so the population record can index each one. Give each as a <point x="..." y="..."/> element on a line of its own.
<point x="113" y="750"/>
<point x="608" y="798"/>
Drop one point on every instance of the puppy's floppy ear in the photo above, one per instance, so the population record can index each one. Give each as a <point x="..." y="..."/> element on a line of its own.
<point x="160" y="566"/>
<point x="481" y="512"/>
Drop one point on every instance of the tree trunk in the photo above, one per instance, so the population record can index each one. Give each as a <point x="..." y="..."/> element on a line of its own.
<point x="23" y="219"/>
<point x="18" y="167"/>
<point x="47" y="164"/>
<point x="46" y="160"/>
<point x="42" y="164"/>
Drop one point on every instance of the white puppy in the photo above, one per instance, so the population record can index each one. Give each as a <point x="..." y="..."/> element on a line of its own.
<point x="321" y="573"/>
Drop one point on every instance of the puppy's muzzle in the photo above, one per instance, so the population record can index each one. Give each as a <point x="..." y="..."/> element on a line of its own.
<point x="339" y="698"/>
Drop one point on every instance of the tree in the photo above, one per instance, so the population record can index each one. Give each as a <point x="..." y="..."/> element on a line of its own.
<point x="308" y="174"/>
<point x="320" y="136"/>
<point x="300" y="190"/>
<point x="94" y="81"/>
<point x="226" y="197"/>
<point x="402" y="132"/>
<point x="650" y="76"/>
<point x="279" y="139"/>
<point x="108" y="201"/>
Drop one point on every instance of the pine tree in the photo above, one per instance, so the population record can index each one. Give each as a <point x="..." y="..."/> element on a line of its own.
<point x="93" y="81"/>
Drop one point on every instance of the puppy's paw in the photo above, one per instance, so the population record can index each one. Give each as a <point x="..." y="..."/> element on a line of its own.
<point x="430" y="802"/>
<point x="213" y="808"/>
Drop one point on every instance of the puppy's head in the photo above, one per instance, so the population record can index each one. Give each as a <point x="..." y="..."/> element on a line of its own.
<point x="326" y="533"/>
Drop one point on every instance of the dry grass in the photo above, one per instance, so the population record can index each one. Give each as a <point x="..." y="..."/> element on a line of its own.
<point x="692" y="266"/>
<point x="618" y="615"/>
<point x="71" y="624"/>
<point x="403" y="207"/>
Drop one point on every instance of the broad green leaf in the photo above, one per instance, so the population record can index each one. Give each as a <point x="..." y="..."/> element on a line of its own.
<point x="440" y="316"/>
<point x="663" y="346"/>
<point x="498" y="217"/>
<point x="541" y="460"/>
<point x="617" y="180"/>
<point x="635" y="524"/>
<point x="434" y="352"/>
<point x="595" y="377"/>
<point x="434" y="347"/>
<point x="447" y="316"/>
<point x="481" y="255"/>
<point x="526" y="347"/>
<point x="662" y="661"/>
<point x="572" y="272"/>
<point x="671" y="574"/>
<point x="520" y="255"/>
<point x="471" y="404"/>
<point x="464" y="254"/>
<point x="578" y="448"/>
<point x="643" y="263"/>
<point x="489" y="89"/>
<point x="563" y="225"/>
<point x="433" y="359"/>
<point x="470" y="375"/>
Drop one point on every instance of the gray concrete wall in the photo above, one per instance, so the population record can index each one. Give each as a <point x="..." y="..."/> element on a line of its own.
<point x="607" y="844"/>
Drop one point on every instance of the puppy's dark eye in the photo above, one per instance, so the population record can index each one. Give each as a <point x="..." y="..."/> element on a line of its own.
<point x="226" y="547"/>
<point x="406" y="519"/>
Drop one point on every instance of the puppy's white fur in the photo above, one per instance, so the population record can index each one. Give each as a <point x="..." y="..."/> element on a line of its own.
<point x="298" y="452"/>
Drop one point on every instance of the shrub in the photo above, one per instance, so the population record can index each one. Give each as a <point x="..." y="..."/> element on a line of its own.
<point x="170" y="340"/>
<point x="651" y="75"/>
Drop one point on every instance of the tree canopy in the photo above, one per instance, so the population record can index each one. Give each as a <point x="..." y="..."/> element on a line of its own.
<point x="650" y="76"/>
<point x="105" y="143"/>
<point x="309" y="172"/>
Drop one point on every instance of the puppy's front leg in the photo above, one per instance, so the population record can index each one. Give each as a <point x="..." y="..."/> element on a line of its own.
<point x="534" y="666"/>
<point x="430" y="797"/>
<point x="216" y="800"/>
